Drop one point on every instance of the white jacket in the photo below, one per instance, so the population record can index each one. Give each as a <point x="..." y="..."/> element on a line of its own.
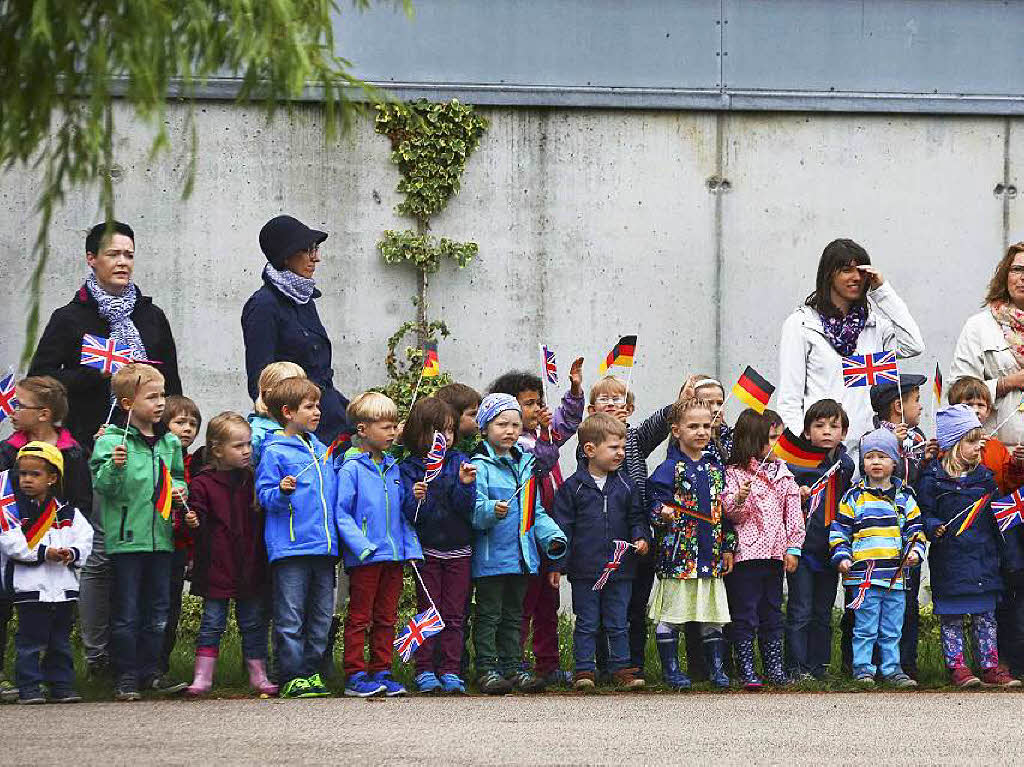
<point x="810" y="369"/>
<point x="28" y="576"/>
<point x="981" y="351"/>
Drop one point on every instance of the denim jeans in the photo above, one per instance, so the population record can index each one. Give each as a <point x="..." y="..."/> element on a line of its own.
<point x="44" y="631"/>
<point x="812" y="596"/>
<point x="177" y="587"/>
<point x="879" y="620"/>
<point x="252" y="625"/>
<point x="142" y="583"/>
<point x="606" y="608"/>
<point x="303" y="607"/>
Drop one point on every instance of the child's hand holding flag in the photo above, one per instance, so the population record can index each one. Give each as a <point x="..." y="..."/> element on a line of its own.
<point x="467" y="473"/>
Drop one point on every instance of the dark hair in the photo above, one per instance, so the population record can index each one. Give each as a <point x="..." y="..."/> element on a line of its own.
<point x="94" y="239"/>
<point x="836" y="256"/>
<point x="968" y="387"/>
<point x="825" y="408"/>
<point x="516" y="382"/>
<point x="749" y="438"/>
<point x="458" y="396"/>
<point x="774" y="419"/>
<point x="176" y="405"/>
<point x="428" y="415"/>
<point x="997" y="290"/>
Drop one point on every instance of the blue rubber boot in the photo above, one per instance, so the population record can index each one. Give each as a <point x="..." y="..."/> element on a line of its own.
<point x="668" y="651"/>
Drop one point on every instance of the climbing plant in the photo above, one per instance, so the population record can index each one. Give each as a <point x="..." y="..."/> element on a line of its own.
<point x="430" y="143"/>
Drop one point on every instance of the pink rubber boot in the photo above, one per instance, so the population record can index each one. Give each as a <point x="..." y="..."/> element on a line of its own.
<point x="258" y="677"/>
<point x="206" y="661"/>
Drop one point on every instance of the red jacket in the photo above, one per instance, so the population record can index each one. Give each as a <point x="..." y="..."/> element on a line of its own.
<point x="231" y="559"/>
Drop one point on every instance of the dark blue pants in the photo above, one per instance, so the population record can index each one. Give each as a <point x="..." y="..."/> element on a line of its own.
<point x="755" y="599"/>
<point x="142" y="584"/>
<point x="636" y="618"/>
<point x="178" y="562"/>
<point x="303" y="608"/>
<point x="44" y="631"/>
<point x="812" y="596"/>
<point x="606" y="608"/>
<point x="911" y="622"/>
<point x="252" y="625"/>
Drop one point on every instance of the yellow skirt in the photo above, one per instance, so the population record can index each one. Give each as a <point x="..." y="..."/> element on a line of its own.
<point x="695" y="599"/>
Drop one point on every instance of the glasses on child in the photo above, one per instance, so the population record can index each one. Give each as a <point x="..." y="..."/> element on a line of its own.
<point x="606" y="400"/>
<point x="17" y="407"/>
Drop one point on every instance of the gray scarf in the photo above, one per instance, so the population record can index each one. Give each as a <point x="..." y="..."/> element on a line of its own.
<point x="298" y="289"/>
<point x="117" y="311"/>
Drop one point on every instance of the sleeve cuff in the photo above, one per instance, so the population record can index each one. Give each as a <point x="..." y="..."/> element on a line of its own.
<point x="41" y="554"/>
<point x="78" y="555"/>
<point x="794" y="550"/>
<point x="367" y="552"/>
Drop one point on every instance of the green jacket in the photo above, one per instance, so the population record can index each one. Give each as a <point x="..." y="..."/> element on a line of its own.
<point x="131" y="523"/>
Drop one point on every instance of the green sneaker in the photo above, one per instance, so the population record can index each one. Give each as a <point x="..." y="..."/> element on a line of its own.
<point x="316" y="687"/>
<point x="8" y="692"/>
<point x="296" y="688"/>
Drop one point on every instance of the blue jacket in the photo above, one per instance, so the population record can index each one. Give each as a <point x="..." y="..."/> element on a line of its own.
<point x="816" y="548"/>
<point x="592" y="519"/>
<point x="302" y="522"/>
<point x="967" y="564"/>
<point x="509" y="546"/>
<point x="261" y="426"/>
<point x="276" y="328"/>
<point x="444" y="522"/>
<point x="370" y="500"/>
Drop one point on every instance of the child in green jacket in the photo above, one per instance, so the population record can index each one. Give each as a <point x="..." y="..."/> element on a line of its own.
<point x="137" y="472"/>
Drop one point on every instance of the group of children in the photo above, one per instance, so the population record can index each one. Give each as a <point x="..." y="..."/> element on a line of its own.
<point x="699" y="548"/>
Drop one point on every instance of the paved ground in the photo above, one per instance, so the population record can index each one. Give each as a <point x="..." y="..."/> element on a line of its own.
<point x="823" y="729"/>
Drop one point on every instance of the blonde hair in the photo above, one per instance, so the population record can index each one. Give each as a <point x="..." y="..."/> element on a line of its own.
<point x="270" y="377"/>
<point x="290" y="393"/>
<point x="704" y="381"/>
<point x="50" y="393"/>
<point x="683" y="406"/>
<point x="610" y="386"/>
<point x="125" y="383"/>
<point x="218" y="431"/>
<point x="598" y="427"/>
<point x="370" y="407"/>
<point x="953" y="460"/>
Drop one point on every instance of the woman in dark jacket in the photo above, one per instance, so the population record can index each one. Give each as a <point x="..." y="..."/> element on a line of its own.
<point x="280" y="321"/>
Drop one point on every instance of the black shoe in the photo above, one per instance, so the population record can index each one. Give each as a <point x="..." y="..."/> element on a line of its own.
<point x="163" y="685"/>
<point x="493" y="683"/>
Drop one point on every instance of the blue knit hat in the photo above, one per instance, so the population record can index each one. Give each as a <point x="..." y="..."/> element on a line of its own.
<point x="880" y="441"/>
<point x="952" y="423"/>
<point x="493" y="405"/>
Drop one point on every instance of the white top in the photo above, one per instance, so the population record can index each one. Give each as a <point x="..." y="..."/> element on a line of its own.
<point x="599" y="481"/>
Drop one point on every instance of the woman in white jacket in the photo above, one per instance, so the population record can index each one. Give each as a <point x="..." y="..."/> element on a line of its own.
<point x="991" y="347"/>
<point x="851" y="311"/>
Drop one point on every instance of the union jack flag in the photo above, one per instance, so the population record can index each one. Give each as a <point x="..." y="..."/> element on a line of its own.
<point x="1008" y="511"/>
<point x="435" y="458"/>
<point x="105" y="354"/>
<point x="870" y="369"/>
<point x="7" y="398"/>
<point x="8" y="506"/>
<point x="824" y="490"/>
<point x="616" y="561"/>
<point x="865" y="585"/>
<point x="419" y="628"/>
<point x="550" y="366"/>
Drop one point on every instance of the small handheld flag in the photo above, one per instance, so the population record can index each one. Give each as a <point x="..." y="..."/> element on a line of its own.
<point x="870" y="369"/>
<point x="798" y="451"/>
<point x="105" y="354"/>
<point x="1008" y="511"/>
<point x="937" y="385"/>
<point x="972" y="513"/>
<point x="905" y="558"/>
<point x="42" y="526"/>
<point x="9" y="519"/>
<point x="527" y="505"/>
<point x="753" y="390"/>
<point x="824" y="492"/>
<point x="620" y="548"/>
<point x="431" y="363"/>
<point x="419" y="628"/>
<point x="621" y="354"/>
<point x="862" y="588"/>
<point x="435" y="457"/>
<point x="550" y="366"/>
<point x="162" y="491"/>
<point x="7" y="398"/>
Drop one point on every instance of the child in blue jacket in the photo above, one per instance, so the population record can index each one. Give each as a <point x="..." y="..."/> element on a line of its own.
<point x="297" y="490"/>
<point x="510" y="523"/>
<point x="441" y="512"/>
<point x="370" y="499"/>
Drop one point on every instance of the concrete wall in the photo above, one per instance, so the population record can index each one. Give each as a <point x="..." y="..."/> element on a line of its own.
<point x="591" y="224"/>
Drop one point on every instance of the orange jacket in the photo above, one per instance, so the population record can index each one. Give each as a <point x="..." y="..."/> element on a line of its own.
<point x="1009" y="473"/>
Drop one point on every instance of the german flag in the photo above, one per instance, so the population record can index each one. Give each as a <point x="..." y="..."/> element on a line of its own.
<point x="972" y="512"/>
<point x="753" y="390"/>
<point x="162" y="491"/>
<point x="621" y="354"/>
<point x="42" y="525"/>
<point x="798" y="451"/>
<point x="937" y="384"/>
<point x="431" y="364"/>
<point x="527" y="504"/>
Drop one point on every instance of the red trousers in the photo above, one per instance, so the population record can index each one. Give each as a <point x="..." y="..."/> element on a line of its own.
<point x="374" y="591"/>
<point x="540" y="609"/>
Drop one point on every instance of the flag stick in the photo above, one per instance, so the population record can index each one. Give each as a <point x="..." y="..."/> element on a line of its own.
<point x="544" y="382"/>
<point x="1006" y="420"/>
<point x="113" y="404"/>
<point x="721" y="410"/>
<point x="128" y="420"/>
<point x="416" y="391"/>
<point x="310" y="466"/>
<point x="771" y="452"/>
<point x="423" y="586"/>
<point x="629" y="378"/>
<point x="957" y="516"/>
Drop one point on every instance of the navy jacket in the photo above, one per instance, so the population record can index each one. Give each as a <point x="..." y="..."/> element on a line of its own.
<point x="592" y="519"/>
<point x="443" y="523"/>
<point x="277" y="329"/>
<point x="967" y="564"/>
<point x="816" y="538"/>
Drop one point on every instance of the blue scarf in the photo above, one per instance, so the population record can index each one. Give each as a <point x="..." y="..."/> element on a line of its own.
<point x="117" y="311"/>
<point x="299" y="289"/>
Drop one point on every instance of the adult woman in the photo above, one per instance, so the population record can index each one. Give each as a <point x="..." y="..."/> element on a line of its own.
<point x="991" y="347"/>
<point x="852" y="310"/>
<point x="280" y="321"/>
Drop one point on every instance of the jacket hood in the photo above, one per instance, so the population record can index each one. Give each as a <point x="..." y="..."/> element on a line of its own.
<point x="899" y="484"/>
<point x="159" y="429"/>
<point x="226" y="477"/>
<point x="65" y="441"/>
<point x="978" y="474"/>
<point x="366" y="460"/>
<point x="484" y="450"/>
<point x="675" y="454"/>
<point x="264" y="421"/>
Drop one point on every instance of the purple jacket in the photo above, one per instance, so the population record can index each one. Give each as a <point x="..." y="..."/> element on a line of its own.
<point x="564" y="423"/>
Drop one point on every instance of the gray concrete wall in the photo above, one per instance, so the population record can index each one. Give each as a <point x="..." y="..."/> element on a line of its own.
<point x="590" y="223"/>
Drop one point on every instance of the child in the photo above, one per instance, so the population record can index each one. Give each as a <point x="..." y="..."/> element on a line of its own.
<point x="596" y="507"/>
<point x="763" y="502"/>
<point x="40" y="559"/>
<point x="775" y="425"/>
<point x="40" y="409"/>
<point x="370" y="503"/>
<point x="812" y="586"/>
<point x="297" y="489"/>
<point x="878" y="519"/>
<point x="464" y="400"/>
<point x="182" y="419"/>
<point x="695" y="543"/>
<point x="964" y="568"/>
<point x="510" y="525"/>
<point x="128" y="466"/>
<point x="441" y="512"/>
<point x="711" y="391"/>
<point x="1007" y="467"/>
<point x="231" y="558"/>
<point x="261" y="422"/>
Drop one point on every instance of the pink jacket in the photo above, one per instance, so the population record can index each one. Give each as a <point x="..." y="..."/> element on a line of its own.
<point x="769" y="524"/>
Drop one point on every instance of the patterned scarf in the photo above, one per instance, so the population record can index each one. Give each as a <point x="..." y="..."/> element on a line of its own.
<point x="1011" y="320"/>
<point x="117" y="311"/>
<point x="298" y="289"/>
<point x="843" y="332"/>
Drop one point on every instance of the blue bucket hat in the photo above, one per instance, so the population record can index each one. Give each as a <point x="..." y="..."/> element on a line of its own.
<point x="493" y="405"/>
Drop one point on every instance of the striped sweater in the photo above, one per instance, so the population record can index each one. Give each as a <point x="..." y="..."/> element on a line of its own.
<point x="872" y="529"/>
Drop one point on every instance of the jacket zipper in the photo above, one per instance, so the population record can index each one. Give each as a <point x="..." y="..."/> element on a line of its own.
<point x="387" y="509"/>
<point x="323" y="501"/>
<point x="291" y="522"/>
<point x="124" y="520"/>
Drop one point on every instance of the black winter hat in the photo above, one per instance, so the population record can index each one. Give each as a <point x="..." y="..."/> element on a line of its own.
<point x="283" y="236"/>
<point x="882" y="395"/>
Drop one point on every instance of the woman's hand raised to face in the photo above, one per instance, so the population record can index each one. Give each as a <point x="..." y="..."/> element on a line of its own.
<point x="875" y="278"/>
